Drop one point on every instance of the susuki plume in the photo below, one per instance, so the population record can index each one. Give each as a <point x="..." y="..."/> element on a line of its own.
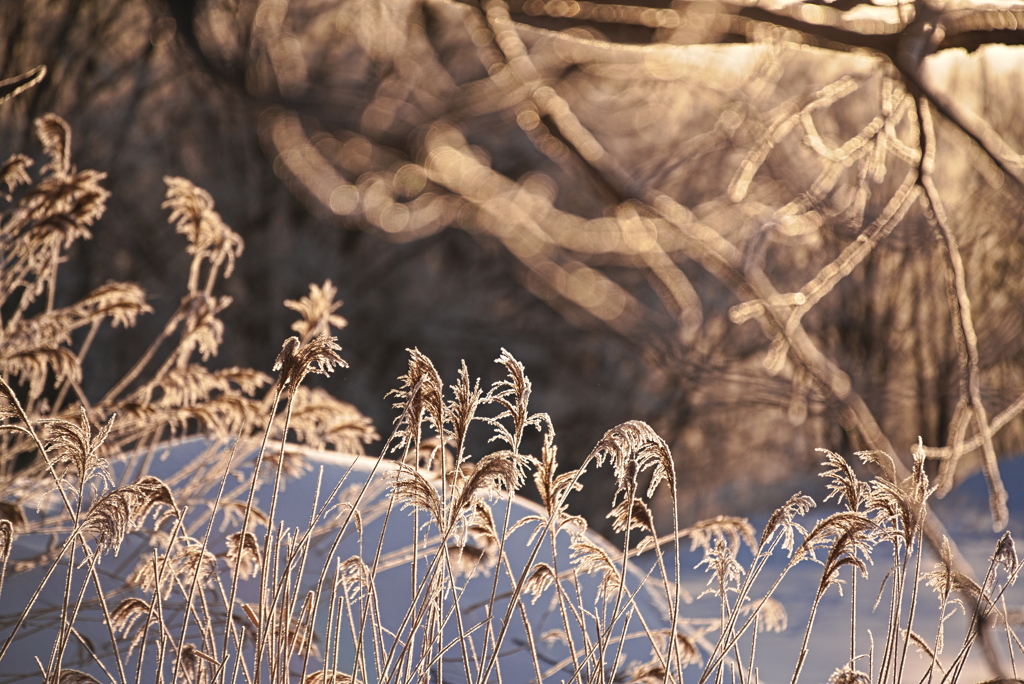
<point x="69" y="676"/>
<point x="513" y="396"/>
<point x="297" y="360"/>
<point x="203" y="330"/>
<point x="71" y="443"/>
<point x="55" y="135"/>
<point x="58" y="210"/>
<point x="354" y="576"/>
<point x="631" y="514"/>
<point x="480" y="525"/>
<point x="117" y="512"/>
<point x="540" y="579"/>
<point x="317" y="311"/>
<point x="243" y="554"/>
<point x="771" y="614"/>
<point x="126" y="614"/>
<point x="942" y="578"/>
<point x="193" y="216"/>
<point x="122" y="303"/>
<point x="648" y="673"/>
<point x="848" y="675"/>
<point x="420" y="397"/>
<point x="632" y="448"/>
<point x="727" y="572"/>
<point x="1006" y="554"/>
<point x="706" y="533"/>
<point x="589" y="557"/>
<point x="188" y="560"/>
<point x="688" y="649"/>
<point x="903" y="502"/>
<point x="948" y="585"/>
<point x="553" y="486"/>
<point x="843" y="482"/>
<point x="467" y="560"/>
<point x="796" y="505"/>
<point x="6" y="541"/>
<point x="195" y="664"/>
<point x="412" y="489"/>
<point x="195" y="384"/>
<point x="466" y="398"/>
<point x="500" y="470"/>
<point x="33" y="365"/>
<point x="14" y="172"/>
<point x="853" y="537"/>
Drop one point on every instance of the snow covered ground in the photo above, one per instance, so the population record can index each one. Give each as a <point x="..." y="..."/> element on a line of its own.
<point x="964" y="511"/>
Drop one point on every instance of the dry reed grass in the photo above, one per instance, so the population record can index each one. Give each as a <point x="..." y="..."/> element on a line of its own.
<point x="219" y="586"/>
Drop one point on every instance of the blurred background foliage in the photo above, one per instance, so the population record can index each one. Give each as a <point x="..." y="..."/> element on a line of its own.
<point x="713" y="217"/>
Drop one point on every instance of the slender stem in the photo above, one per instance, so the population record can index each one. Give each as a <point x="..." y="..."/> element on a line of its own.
<point x="807" y="635"/>
<point x="254" y="483"/>
<point x="853" y="616"/>
<point x="144" y="360"/>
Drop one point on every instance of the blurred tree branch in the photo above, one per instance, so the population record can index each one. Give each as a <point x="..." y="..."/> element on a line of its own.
<point x="402" y="160"/>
